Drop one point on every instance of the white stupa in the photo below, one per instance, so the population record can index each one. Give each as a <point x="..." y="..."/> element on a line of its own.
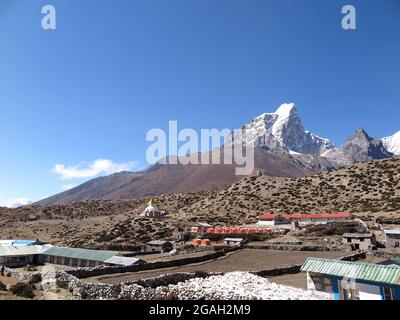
<point x="152" y="211"/>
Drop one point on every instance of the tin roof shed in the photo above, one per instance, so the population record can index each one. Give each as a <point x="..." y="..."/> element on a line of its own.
<point x="83" y="254"/>
<point x="123" y="261"/>
<point x="353" y="270"/>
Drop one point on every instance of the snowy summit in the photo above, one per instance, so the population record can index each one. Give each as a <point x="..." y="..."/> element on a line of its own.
<point x="284" y="129"/>
<point x="392" y="143"/>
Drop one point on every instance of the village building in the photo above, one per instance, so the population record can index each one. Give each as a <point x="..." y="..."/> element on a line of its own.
<point x="179" y="234"/>
<point x="359" y="241"/>
<point x="234" y="241"/>
<point x="347" y="280"/>
<point x="392" y="238"/>
<point x="302" y="218"/>
<point x="19" y="255"/>
<point x="159" y="246"/>
<point x="201" y="228"/>
<point x="76" y="257"/>
<point x="273" y="219"/>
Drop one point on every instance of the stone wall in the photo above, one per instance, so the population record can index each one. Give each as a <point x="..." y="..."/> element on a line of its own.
<point x="289" y="247"/>
<point x="296" y="268"/>
<point x="149" y="289"/>
<point x="278" y="271"/>
<point x="168" y="279"/>
<point x="24" y="276"/>
<point x="355" y="256"/>
<point x="385" y="254"/>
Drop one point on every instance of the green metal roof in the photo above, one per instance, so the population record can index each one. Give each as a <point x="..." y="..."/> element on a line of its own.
<point x="84" y="254"/>
<point x="353" y="270"/>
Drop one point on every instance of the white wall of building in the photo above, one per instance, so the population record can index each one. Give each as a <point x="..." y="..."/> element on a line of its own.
<point x="266" y="223"/>
<point x="369" y="292"/>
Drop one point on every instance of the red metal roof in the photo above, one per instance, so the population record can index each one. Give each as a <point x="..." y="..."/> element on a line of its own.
<point x="268" y="216"/>
<point x="318" y="215"/>
<point x="307" y="216"/>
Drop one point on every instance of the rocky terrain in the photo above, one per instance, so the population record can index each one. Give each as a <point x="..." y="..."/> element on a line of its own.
<point x="371" y="188"/>
<point x="360" y="147"/>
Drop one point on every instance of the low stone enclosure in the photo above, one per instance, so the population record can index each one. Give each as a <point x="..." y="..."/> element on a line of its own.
<point x="385" y="254"/>
<point x="301" y="244"/>
<point x="157" y="288"/>
<point x="24" y="276"/>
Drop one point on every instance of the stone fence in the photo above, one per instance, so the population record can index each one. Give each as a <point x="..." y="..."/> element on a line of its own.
<point x="296" y="268"/>
<point x="278" y="271"/>
<point x="385" y="254"/>
<point x="24" y="276"/>
<point x="174" y="278"/>
<point x="159" y="288"/>
<point x="289" y="247"/>
<point x="355" y="256"/>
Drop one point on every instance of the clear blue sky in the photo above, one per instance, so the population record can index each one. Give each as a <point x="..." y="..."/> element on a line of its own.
<point x="114" y="69"/>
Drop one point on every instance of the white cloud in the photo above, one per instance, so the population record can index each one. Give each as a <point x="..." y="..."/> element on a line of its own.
<point x="98" y="167"/>
<point x="15" y="203"/>
<point x="66" y="187"/>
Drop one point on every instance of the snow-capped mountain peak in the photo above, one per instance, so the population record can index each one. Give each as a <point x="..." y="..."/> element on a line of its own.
<point x="284" y="129"/>
<point x="392" y="143"/>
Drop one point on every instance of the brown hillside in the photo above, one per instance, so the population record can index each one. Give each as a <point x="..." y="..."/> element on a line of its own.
<point x="372" y="188"/>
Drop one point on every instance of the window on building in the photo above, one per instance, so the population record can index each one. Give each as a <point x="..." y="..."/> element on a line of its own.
<point x="66" y="261"/>
<point x="59" y="260"/>
<point x="388" y="293"/>
<point x="92" y="263"/>
<point x="83" y="263"/>
<point x="74" y="262"/>
<point x="362" y="240"/>
<point x="348" y="240"/>
<point x="51" y="259"/>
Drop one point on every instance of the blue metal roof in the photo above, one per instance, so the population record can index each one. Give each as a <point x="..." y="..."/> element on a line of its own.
<point x="23" y="242"/>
